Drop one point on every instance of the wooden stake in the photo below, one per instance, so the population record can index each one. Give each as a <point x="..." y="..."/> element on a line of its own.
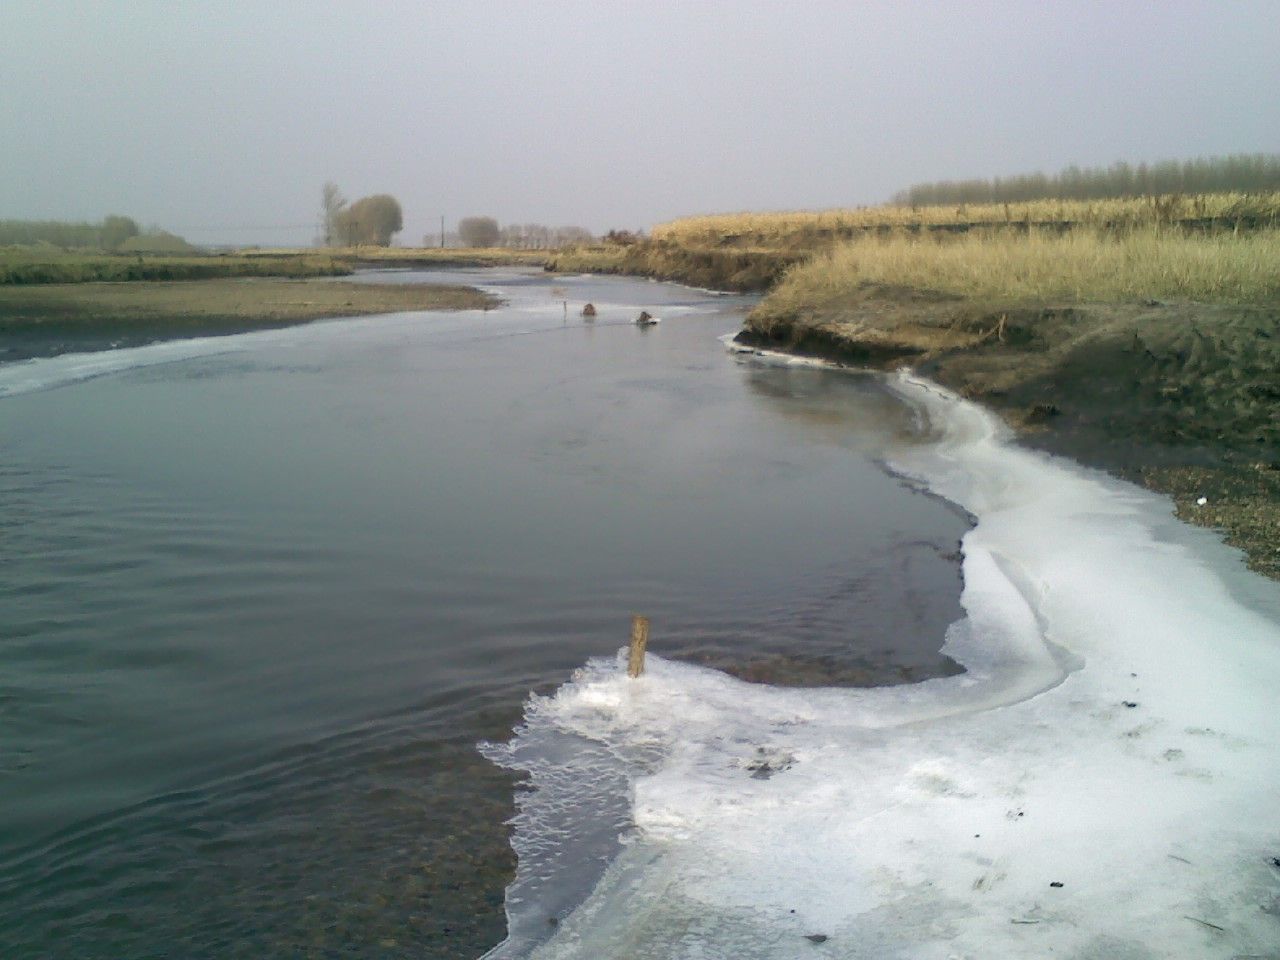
<point x="639" y="640"/>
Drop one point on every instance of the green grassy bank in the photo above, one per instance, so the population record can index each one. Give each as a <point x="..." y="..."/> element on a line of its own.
<point x="43" y="264"/>
<point x="38" y="265"/>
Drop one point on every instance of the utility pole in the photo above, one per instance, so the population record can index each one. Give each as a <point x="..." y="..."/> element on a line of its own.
<point x="442" y="231"/>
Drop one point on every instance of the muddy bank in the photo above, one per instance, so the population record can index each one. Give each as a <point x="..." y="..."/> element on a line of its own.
<point x="712" y="268"/>
<point x="1183" y="398"/>
<point x="50" y="319"/>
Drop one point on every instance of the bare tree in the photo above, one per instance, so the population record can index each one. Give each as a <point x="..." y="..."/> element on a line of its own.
<point x="372" y="220"/>
<point x="116" y="230"/>
<point x="570" y="236"/>
<point x="479" y="231"/>
<point x="332" y="204"/>
<point x="537" y="236"/>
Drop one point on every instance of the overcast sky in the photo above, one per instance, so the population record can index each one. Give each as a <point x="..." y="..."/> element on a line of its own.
<point x="221" y="121"/>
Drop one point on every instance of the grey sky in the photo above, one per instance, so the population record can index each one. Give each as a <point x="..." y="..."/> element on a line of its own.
<point x="221" y="121"/>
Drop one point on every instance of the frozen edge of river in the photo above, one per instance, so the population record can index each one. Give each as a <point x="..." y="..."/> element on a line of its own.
<point x="1101" y="782"/>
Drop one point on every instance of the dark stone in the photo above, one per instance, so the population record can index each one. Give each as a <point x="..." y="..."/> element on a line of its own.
<point x="1041" y="412"/>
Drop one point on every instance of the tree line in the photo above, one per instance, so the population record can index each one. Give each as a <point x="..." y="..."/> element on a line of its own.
<point x="485" y="232"/>
<point x="1247" y="173"/>
<point x="110" y="234"/>
<point x="376" y="219"/>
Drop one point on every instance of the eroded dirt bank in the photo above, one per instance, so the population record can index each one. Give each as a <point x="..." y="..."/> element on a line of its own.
<point x="1183" y="398"/>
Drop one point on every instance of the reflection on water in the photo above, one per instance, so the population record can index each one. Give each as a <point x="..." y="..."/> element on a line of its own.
<point x="261" y="600"/>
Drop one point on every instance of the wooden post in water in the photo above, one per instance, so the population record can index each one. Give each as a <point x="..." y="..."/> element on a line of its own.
<point x="639" y="640"/>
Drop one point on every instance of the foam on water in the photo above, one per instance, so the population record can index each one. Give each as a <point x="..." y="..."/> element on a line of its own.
<point x="1103" y="781"/>
<point x="28" y="376"/>
<point x="46" y="373"/>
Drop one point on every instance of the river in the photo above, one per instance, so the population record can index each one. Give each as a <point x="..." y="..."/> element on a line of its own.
<point x="263" y="595"/>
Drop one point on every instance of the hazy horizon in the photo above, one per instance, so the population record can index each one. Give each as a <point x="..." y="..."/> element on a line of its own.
<point x="222" y="121"/>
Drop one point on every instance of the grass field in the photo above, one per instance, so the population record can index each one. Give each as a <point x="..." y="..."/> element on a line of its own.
<point x="1083" y="265"/>
<point x="48" y="264"/>
<point x="42" y="264"/>
<point x="809" y="229"/>
<point x="1164" y="246"/>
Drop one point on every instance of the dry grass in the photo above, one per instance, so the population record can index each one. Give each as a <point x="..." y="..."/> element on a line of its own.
<point x="600" y="258"/>
<point x="1083" y="265"/>
<point x="803" y="229"/>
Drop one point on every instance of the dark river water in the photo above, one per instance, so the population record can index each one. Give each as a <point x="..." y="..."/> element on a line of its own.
<point x="260" y="597"/>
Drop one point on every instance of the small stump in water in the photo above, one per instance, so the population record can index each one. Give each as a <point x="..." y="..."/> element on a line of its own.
<point x="639" y="640"/>
<point x="589" y="311"/>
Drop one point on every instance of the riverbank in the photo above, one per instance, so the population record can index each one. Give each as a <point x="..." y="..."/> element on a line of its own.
<point x="26" y="265"/>
<point x="752" y="252"/>
<point x="735" y="269"/>
<point x="1138" y="336"/>
<point x="1180" y="397"/>
<point x="43" y="320"/>
<point x="417" y="257"/>
<point x="41" y="265"/>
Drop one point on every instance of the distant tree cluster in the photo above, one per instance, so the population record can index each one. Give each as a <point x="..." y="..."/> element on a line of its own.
<point x="116" y="231"/>
<point x="158" y="241"/>
<point x="110" y="234"/>
<point x="372" y="220"/>
<point x="623" y="238"/>
<point x="1239" y="172"/>
<point x="479" y="231"/>
<point x="537" y="236"/>
<point x="485" y="232"/>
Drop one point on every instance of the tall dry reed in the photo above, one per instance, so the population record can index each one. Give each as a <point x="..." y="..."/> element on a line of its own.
<point x="1085" y="265"/>
<point x="809" y="228"/>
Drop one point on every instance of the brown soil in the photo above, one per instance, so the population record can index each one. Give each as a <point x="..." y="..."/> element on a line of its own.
<point x="710" y="267"/>
<point x="1183" y="398"/>
<point x="49" y="319"/>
